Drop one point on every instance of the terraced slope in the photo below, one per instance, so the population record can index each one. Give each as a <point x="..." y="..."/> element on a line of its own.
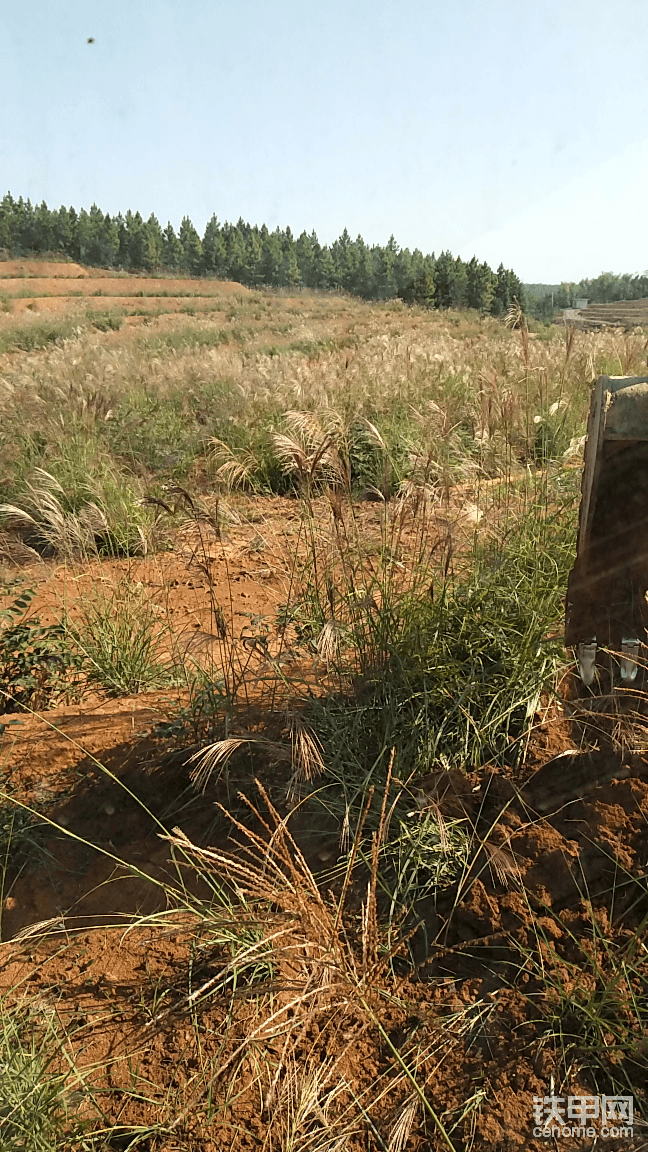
<point x="619" y="314"/>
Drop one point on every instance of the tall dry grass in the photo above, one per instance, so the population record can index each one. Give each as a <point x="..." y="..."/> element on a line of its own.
<point x="464" y="394"/>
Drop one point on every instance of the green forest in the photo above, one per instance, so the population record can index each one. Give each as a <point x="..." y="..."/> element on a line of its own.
<point x="604" y="289"/>
<point x="255" y="256"/>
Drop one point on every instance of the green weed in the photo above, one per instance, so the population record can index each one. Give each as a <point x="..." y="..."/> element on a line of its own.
<point x="33" y="337"/>
<point x="36" y="664"/>
<point x="106" y="321"/>
<point x="121" y="641"/>
<point x="36" y="1108"/>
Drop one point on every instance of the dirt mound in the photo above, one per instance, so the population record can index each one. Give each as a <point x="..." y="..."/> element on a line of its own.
<point x="119" y="286"/>
<point x="51" y="269"/>
<point x="148" y="305"/>
<point x="510" y="957"/>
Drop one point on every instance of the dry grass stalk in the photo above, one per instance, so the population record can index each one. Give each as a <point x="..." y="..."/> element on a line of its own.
<point x="215" y="756"/>
<point x="502" y="864"/>
<point x="404" y="1124"/>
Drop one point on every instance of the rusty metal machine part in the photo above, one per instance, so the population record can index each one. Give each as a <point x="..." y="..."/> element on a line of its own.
<point x="606" y="605"/>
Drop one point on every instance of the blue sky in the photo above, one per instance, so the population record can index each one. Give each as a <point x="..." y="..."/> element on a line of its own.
<point x="513" y="130"/>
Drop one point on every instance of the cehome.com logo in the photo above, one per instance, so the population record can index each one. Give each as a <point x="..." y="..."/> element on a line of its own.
<point x="609" y="1117"/>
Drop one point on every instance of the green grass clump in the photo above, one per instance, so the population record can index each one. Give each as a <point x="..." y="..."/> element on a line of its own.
<point x="36" y="664"/>
<point x="592" y="1005"/>
<point x="36" y="1111"/>
<point x="478" y="656"/>
<point x="158" y="434"/>
<point x="451" y="677"/>
<point x="88" y="516"/>
<point x="33" y="337"/>
<point x="106" y="321"/>
<point x="120" y="642"/>
<point x="183" y="339"/>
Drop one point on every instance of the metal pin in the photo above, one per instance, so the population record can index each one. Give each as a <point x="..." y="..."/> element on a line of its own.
<point x="630" y="655"/>
<point x="587" y="661"/>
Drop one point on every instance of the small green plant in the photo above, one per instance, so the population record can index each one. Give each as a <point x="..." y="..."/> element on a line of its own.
<point x="202" y="718"/>
<point x="106" y="321"/>
<point x="120" y="640"/>
<point x="37" y="665"/>
<point x="593" y="1004"/>
<point x="425" y="856"/>
<point x="21" y="840"/>
<point x="35" y="1109"/>
<point x="32" y="337"/>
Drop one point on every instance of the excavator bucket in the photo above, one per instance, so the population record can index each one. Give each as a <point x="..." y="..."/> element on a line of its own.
<point x="606" y="611"/>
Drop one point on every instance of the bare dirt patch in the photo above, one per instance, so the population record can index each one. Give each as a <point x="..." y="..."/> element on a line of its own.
<point x="118" y="286"/>
<point x="480" y="1010"/>
<point x="49" y="269"/>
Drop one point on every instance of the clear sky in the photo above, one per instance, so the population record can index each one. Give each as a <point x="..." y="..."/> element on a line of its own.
<point x="514" y="130"/>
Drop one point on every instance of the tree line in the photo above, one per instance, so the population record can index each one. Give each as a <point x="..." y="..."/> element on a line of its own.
<point x="604" y="289"/>
<point x="255" y="256"/>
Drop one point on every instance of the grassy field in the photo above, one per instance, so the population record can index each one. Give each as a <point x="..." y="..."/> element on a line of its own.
<point x="288" y="860"/>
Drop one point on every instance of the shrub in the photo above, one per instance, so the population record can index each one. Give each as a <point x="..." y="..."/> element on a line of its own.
<point x="35" y="660"/>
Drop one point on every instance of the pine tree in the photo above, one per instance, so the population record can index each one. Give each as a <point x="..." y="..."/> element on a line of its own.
<point x="479" y="285"/>
<point x="420" y="290"/>
<point x="43" y="229"/>
<point x="305" y="259"/>
<point x="244" y="228"/>
<point x="254" y="256"/>
<point x="214" y="250"/>
<point x="172" y="253"/>
<point x="460" y="282"/>
<point x="403" y="268"/>
<point x="325" y="271"/>
<point x="191" y="246"/>
<point x="385" y="276"/>
<point x="363" y="283"/>
<point x="501" y="301"/>
<point x="7" y="215"/>
<point x="22" y="227"/>
<point x="97" y="238"/>
<point x="237" y="266"/>
<point x="508" y="289"/>
<point x="516" y="289"/>
<point x="65" y="233"/>
<point x="342" y="253"/>
<point x="271" y="258"/>
<point x="133" y="243"/>
<point x="444" y="280"/>
<point x="153" y="243"/>
<point x="290" y="274"/>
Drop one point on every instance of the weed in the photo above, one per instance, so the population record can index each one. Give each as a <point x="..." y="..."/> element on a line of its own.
<point x="36" y="664"/>
<point x="118" y="636"/>
<point x="110" y="520"/>
<point x="31" y="338"/>
<point x="593" y="1003"/>
<point x="106" y="321"/>
<point x="36" y="1109"/>
<point x="183" y="339"/>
